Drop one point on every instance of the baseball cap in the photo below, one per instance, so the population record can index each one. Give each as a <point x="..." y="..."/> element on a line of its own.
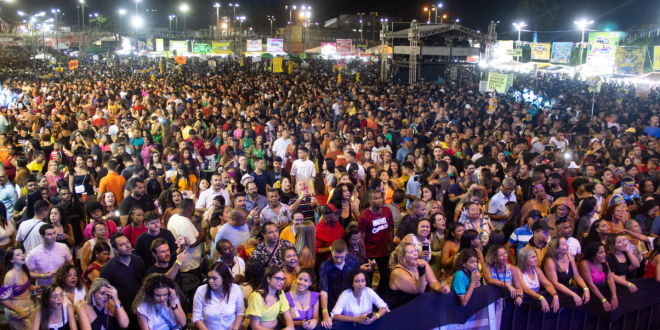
<point x="407" y="139"/>
<point x="541" y="225"/>
<point x="535" y="214"/>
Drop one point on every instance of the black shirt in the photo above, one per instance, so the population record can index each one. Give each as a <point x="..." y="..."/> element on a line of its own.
<point x="158" y="270"/>
<point x="143" y="246"/>
<point x="77" y="217"/>
<point x="553" y="195"/>
<point x="146" y="202"/>
<point x="274" y="177"/>
<point x="126" y="279"/>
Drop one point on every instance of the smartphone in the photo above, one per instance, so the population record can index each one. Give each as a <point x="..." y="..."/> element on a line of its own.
<point x="425" y="247"/>
<point x="372" y="263"/>
<point x="116" y="213"/>
<point x="370" y="315"/>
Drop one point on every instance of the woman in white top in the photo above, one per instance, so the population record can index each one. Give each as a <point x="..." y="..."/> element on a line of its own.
<point x="219" y="304"/>
<point x="420" y="239"/>
<point x="533" y="279"/>
<point x="157" y="304"/>
<point x="356" y="304"/>
<point x="68" y="279"/>
<point x="53" y="312"/>
<point x="7" y="236"/>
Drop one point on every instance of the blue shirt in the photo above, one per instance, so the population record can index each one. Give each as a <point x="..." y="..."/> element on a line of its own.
<point x="8" y="197"/>
<point x="259" y="204"/>
<point x="412" y="188"/>
<point x="655" y="131"/>
<point x="334" y="280"/>
<point x="460" y="283"/>
<point x="520" y="237"/>
<point x="401" y="154"/>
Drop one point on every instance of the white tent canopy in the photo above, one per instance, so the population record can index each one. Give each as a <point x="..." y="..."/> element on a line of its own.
<point x="41" y="57"/>
<point x="61" y="46"/>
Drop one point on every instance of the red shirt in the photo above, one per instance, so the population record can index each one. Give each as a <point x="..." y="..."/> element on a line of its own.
<point x="376" y="229"/>
<point x="198" y="143"/>
<point x="100" y="121"/>
<point x="207" y="152"/>
<point x="325" y="235"/>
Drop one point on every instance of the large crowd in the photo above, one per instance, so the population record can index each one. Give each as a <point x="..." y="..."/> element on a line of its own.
<point x="232" y="197"/>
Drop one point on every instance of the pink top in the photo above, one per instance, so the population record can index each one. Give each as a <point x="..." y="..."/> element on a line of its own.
<point x="597" y="276"/>
<point x="41" y="261"/>
<point x="146" y="153"/>
<point x="52" y="182"/>
<point x="112" y="229"/>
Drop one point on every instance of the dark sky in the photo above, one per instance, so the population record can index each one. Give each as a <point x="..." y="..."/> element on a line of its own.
<point x="475" y="14"/>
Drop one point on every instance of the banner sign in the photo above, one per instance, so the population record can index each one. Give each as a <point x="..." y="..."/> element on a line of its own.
<point x="274" y="45"/>
<point x="212" y="63"/>
<point x="344" y="46"/>
<point x="179" y="46"/>
<point x="159" y="45"/>
<point x="514" y="52"/>
<point x="73" y="64"/>
<point x="201" y="47"/>
<point x="218" y="46"/>
<point x="502" y="46"/>
<point x="254" y="45"/>
<point x="602" y="47"/>
<point x="509" y="80"/>
<point x="497" y="81"/>
<point x="629" y="60"/>
<point x="150" y="44"/>
<point x="328" y="48"/>
<point x="540" y="51"/>
<point x="341" y="62"/>
<point x="277" y="65"/>
<point x="561" y="52"/>
<point x="361" y="46"/>
<point x="180" y="59"/>
<point x="656" y="57"/>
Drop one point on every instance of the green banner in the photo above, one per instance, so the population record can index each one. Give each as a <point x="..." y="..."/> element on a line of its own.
<point x="497" y="81"/>
<point x="201" y="47"/>
<point x="514" y="52"/>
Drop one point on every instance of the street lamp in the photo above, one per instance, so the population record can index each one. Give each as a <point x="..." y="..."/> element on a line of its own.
<point x="361" y="26"/>
<point x="427" y="9"/>
<point x="582" y="25"/>
<point x="436" y="12"/>
<point x="137" y="21"/>
<point x="171" y="17"/>
<point x="317" y="26"/>
<point x="184" y="8"/>
<point x="217" y="15"/>
<point x="519" y="27"/>
<point x="121" y="13"/>
<point x="240" y="19"/>
<point x="235" y="5"/>
<point x="271" y="19"/>
<point x="443" y="16"/>
<point x="56" y="12"/>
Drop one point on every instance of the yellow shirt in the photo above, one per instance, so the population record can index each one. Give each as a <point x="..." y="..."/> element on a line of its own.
<point x="183" y="185"/>
<point x="256" y="307"/>
<point x="185" y="132"/>
<point x="287" y="235"/>
<point x="35" y="167"/>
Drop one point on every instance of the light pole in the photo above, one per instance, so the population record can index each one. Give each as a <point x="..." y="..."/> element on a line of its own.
<point x="305" y="14"/>
<point x="290" y="8"/>
<point x="443" y="16"/>
<point x="171" y="17"/>
<point x="217" y="18"/>
<point x="57" y="43"/>
<point x="184" y="8"/>
<point x="436" y="13"/>
<point x="361" y="26"/>
<point x="240" y="20"/>
<point x="233" y="26"/>
<point x="136" y="1"/>
<point x="519" y="27"/>
<point x="121" y="13"/>
<point x="271" y="19"/>
<point x="317" y="27"/>
<point x="582" y="25"/>
<point x="33" y="19"/>
<point x="82" y="43"/>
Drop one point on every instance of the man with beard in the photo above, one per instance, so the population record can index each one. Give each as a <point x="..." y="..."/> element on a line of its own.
<point x="205" y="200"/>
<point x="269" y="251"/>
<point x="154" y="232"/>
<point x="377" y="235"/>
<point x="276" y="212"/>
<point x="125" y="272"/>
<point x="160" y="250"/>
<point x="138" y="197"/>
<point x="254" y="201"/>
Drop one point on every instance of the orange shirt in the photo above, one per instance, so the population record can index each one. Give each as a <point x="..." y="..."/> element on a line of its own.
<point x="115" y="183"/>
<point x="372" y="125"/>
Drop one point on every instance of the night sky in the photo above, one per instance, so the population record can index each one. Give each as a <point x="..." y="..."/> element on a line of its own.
<point x="552" y="18"/>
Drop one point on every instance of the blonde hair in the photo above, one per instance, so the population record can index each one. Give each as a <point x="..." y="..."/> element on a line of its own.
<point x="523" y="257"/>
<point x="98" y="284"/>
<point x="552" y="252"/>
<point x="396" y="258"/>
<point x="429" y="207"/>
<point x="306" y="237"/>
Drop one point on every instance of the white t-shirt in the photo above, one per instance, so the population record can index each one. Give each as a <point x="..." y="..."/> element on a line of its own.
<point x="34" y="238"/>
<point x="157" y="321"/>
<point x="574" y="246"/>
<point x="279" y="147"/>
<point x="182" y="226"/>
<point x="303" y="170"/>
<point x="559" y="144"/>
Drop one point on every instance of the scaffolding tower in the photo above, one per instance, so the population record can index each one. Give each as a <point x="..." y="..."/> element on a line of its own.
<point x="491" y="41"/>
<point x="413" y="37"/>
<point x="383" y="61"/>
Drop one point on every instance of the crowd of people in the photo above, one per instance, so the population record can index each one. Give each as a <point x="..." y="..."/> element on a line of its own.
<point x="231" y="197"/>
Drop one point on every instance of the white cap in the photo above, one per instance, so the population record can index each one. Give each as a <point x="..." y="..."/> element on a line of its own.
<point x="573" y="165"/>
<point x="245" y="177"/>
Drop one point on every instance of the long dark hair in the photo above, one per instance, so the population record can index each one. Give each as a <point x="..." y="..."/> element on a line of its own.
<point x="466" y="240"/>
<point x="165" y="200"/>
<point x="593" y="235"/>
<point x="64" y="219"/>
<point x="185" y="175"/>
<point x="44" y="306"/>
<point x="254" y="273"/>
<point x="265" y="286"/>
<point x="227" y="280"/>
<point x="590" y="252"/>
<point x="9" y="254"/>
<point x="98" y="248"/>
<point x="586" y="206"/>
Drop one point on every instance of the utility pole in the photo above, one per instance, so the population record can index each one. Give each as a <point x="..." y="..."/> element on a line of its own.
<point x="291" y="8"/>
<point x="361" y="27"/>
<point x="82" y="45"/>
<point x="217" y="19"/>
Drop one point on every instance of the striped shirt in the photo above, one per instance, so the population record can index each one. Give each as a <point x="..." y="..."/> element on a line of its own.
<point x="520" y="237"/>
<point x="305" y="207"/>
